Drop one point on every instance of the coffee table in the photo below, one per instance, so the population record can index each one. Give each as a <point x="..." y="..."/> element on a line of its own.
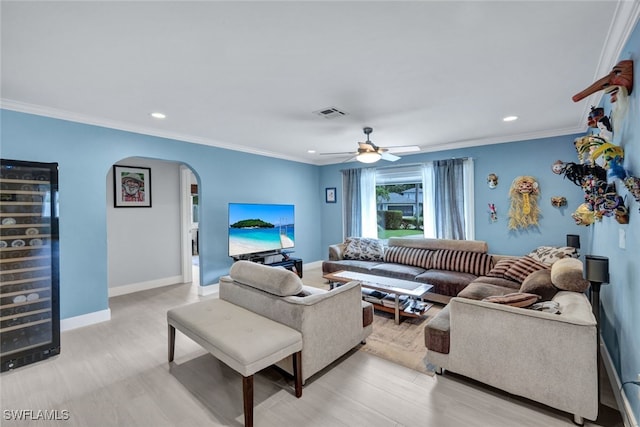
<point x="398" y="287"/>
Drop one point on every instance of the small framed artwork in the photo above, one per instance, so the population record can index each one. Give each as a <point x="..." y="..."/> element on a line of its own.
<point x="131" y="187"/>
<point x="330" y="194"/>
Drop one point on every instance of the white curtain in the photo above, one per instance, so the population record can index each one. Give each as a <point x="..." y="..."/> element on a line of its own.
<point x="469" y="201"/>
<point x="368" y="200"/>
<point x="428" y="195"/>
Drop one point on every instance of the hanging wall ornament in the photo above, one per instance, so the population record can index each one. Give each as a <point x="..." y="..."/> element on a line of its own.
<point x="493" y="214"/>
<point x="524" y="209"/>
<point x="613" y="156"/>
<point x="558" y="201"/>
<point x="492" y="180"/>
<point x="633" y="185"/>
<point x="619" y="85"/>
<point x="557" y="167"/>
<point x="583" y="215"/>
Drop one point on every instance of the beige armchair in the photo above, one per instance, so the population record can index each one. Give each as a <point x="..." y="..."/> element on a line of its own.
<point x="331" y="322"/>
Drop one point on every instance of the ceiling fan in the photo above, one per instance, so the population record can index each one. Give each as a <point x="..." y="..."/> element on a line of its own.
<point x="368" y="152"/>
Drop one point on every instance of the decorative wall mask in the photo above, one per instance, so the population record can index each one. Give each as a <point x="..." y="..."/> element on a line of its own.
<point x="594" y="116"/>
<point x="583" y="215"/>
<point x="492" y="180"/>
<point x="558" y="201"/>
<point x="620" y="76"/>
<point x="557" y="167"/>
<point x="613" y="156"/>
<point x="610" y="204"/>
<point x="586" y="144"/>
<point x="633" y="185"/>
<point x="619" y="85"/>
<point x="493" y="214"/>
<point x="524" y="209"/>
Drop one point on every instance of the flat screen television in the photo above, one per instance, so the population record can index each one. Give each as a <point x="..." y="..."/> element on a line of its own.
<point x="255" y="228"/>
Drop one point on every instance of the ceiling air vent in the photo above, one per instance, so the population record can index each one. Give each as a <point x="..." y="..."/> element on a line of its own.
<point x="330" y="113"/>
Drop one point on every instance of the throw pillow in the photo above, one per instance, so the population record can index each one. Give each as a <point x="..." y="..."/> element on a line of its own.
<point x="523" y="267"/>
<point x="566" y="274"/>
<point x="550" y="254"/>
<point x="539" y="283"/>
<point x="518" y="299"/>
<point x="477" y="263"/>
<point x="501" y="267"/>
<point x="363" y="249"/>
<point x="408" y="256"/>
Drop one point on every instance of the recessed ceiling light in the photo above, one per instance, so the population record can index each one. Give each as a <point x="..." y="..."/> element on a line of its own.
<point x="311" y="151"/>
<point x="510" y="118"/>
<point x="157" y="115"/>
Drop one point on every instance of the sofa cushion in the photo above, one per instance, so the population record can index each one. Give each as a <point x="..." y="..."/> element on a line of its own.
<point x="523" y="267"/>
<point x="397" y="271"/>
<point x="364" y="249"/>
<point x="479" y="290"/>
<point x="274" y="280"/>
<point x="539" y="283"/>
<point x="476" y="263"/>
<point x="566" y="274"/>
<point x="437" y="332"/>
<point x="409" y="256"/>
<point x="517" y="299"/>
<point x="446" y="282"/>
<point x="499" y="281"/>
<point x="348" y="264"/>
<point x="501" y="267"/>
<point x="550" y="254"/>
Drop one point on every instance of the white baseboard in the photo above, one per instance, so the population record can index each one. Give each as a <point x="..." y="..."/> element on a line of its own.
<point x="143" y="286"/>
<point x="209" y="289"/>
<point x="85" y="320"/>
<point x="621" y="397"/>
<point x="313" y="264"/>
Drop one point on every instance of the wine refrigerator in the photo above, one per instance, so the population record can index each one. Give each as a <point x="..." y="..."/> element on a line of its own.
<point x="29" y="260"/>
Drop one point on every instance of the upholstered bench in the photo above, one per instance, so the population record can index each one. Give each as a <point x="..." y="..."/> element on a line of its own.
<point x="241" y="339"/>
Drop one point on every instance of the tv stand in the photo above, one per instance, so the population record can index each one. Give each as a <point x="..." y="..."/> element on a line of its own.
<point x="288" y="262"/>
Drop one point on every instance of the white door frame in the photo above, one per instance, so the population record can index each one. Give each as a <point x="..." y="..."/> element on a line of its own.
<point x="185" y="226"/>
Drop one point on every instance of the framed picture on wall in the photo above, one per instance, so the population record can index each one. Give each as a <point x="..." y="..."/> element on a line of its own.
<point x="330" y="195"/>
<point x="131" y="187"/>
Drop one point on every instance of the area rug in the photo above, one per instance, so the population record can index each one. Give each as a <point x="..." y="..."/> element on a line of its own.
<point x="402" y="344"/>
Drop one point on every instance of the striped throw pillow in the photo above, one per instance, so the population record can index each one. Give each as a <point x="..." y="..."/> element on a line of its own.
<point x="523" y="267"/>
<point x="502" y="267"/>
<point x="478" y="263"/>
<point x="408" y="256"/>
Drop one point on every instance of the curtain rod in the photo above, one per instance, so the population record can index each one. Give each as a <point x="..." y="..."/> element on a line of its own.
<point x="410" y="165"/>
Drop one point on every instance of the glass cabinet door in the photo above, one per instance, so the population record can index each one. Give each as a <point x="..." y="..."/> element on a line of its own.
<point x="29" y="314"/>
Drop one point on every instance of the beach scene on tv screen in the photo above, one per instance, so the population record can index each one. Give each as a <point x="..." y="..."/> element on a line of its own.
<point x="260" y="228"/>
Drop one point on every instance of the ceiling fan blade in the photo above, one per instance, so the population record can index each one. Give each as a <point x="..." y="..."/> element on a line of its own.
<point x="342" y="153"/>
<point x="366" y="146"/>
<point x="388" y="156"/>
<point x="403" y="149"/>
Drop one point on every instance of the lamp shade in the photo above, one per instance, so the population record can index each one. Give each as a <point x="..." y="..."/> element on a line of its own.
<point x="573" y="240"/>
<point x="597" y="268"/>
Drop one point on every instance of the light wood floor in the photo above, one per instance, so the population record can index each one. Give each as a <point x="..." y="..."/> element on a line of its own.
<point x="116" y="374"/>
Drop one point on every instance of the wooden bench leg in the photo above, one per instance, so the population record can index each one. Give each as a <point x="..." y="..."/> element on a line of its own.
<point x="247" y="397"/>
<point x="172" y="342"/>
<point x="297" y="372"/>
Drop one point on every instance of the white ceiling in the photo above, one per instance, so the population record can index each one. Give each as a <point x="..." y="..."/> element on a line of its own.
<point x="249" y="75"/>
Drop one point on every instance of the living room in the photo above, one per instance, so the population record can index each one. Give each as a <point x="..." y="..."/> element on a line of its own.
<point x="86" y="152"/>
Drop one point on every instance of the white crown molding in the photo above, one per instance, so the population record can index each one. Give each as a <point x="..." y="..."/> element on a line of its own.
<point x="39" y="110"/>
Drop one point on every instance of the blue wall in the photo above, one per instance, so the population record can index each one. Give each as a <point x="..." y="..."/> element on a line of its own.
<point x="85" y="155"/>
<point x="508" y="161"/>
<point x="620" y="300"/>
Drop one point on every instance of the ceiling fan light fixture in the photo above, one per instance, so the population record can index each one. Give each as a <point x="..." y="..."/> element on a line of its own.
<point x="368" y="157"/>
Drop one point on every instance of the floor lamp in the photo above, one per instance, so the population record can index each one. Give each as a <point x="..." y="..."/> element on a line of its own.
<point x="597" y="272"/>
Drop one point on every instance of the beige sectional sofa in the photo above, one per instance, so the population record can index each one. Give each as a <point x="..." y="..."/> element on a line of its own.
<point x="549" y="357"/>
<point x="331" y="322"/>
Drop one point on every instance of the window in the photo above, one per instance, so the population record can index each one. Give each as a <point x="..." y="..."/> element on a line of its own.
<point x="399" y="202"/>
